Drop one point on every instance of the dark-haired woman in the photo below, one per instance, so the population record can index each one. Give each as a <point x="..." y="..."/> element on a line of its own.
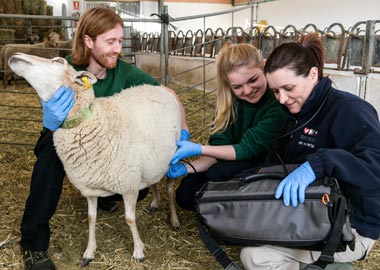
<point x="338" y="135"/>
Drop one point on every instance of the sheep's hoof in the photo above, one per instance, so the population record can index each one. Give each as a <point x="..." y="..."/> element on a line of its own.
<point x="153" y="209"/>
<point x="86" y="261"/>
<point x="138" y="259"/>
<point x="176" y="227"/>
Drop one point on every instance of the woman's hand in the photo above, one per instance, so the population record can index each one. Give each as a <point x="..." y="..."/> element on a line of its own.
<point x="293" y="187"/>
<point x="176" y="170"/>
<point x="186" y="149"/>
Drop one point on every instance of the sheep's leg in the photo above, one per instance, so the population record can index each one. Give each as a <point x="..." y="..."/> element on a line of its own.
<point x="130" y="199"/>
<point x="174" y="221"/>
<point x="155" y="204"/>
<point x="7" y="79"/>
<point x="89" y="254"/>
<point x="4" y="80"/>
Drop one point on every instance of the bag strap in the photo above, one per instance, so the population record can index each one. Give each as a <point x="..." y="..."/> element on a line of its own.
<point x="327" y="255"/>
<point x="218" y="252"/>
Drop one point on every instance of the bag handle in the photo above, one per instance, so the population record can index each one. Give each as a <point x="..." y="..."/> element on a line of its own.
<point x="261" y="176"/>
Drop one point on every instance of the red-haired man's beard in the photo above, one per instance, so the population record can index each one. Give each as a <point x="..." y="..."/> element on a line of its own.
<point x="108" y="61"/>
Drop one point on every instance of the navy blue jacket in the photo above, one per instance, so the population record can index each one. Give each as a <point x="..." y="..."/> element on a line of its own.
<point x="341" y="141"/>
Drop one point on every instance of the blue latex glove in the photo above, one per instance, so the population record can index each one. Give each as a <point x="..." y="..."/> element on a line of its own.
<point x="293" y="187"/>
<point x="176" y="170"/>
<point x="185" y="135"/>
<point x="55" y="110"/>
<point x="186" y="149"/>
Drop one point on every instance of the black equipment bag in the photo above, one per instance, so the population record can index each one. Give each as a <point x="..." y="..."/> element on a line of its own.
<point x="244" y="212"/>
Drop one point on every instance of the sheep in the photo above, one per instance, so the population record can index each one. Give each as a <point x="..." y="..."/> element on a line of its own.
<point x="118" y="144"/>
<point x="46" y="49"/>
<point x="65" y="47"/>
<point x="33" y="39"/>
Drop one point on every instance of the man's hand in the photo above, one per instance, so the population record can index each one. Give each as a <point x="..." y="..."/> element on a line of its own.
<point x="55" y="110"/>
<point x="293" y="187"/>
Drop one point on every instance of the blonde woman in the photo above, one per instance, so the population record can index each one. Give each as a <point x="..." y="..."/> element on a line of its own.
<point x="247" y="118"/>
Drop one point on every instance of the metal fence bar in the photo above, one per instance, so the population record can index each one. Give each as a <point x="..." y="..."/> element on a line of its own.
<point x="368" y="59"/>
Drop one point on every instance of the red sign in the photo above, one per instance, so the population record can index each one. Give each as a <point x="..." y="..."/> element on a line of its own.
<point x="76" y="5"/>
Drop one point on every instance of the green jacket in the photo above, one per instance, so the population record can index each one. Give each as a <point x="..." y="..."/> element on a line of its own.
<point x="123" y="76"/>
<point x="255" y="127"/>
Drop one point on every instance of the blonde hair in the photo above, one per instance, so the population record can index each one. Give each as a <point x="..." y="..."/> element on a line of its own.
<point x="92" y="23"/>
<point x="230" y="58"/>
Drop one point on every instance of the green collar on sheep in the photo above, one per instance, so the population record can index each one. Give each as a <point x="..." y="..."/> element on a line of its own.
<point x="78" y="119"/>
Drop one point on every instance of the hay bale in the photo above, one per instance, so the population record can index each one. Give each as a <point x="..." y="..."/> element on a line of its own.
<point x="2" y="6"/>
<point x="7" y="36"/>
<point x="42" y="22"/>
<point x="9" y="7"/>
<point x="31" y="7"/>
<point x="41" y="7"/>
<point x="20" y="31"/>
<point x="49" y="10"/>
<point x="18" y="6"/>
<point x="46" y="10"/>
<point x="27" y="6"/>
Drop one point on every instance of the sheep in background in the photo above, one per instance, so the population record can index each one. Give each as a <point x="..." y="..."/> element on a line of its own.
<point x="65" y="47"/>
<point x="33" y="39"/>
<point x="46" y="49"/>
<point x="120" y="144"/>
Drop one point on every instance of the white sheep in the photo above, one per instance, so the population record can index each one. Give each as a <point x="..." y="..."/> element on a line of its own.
<point x="46" y="49"/>
<point x="117" y="144"/>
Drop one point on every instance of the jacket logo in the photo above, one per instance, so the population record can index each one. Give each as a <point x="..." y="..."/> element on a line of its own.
<point x="310" y="131"/>
<point x="308" y="138"/>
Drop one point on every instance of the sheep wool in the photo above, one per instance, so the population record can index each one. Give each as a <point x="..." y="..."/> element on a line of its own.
<point x="127" y="141"/>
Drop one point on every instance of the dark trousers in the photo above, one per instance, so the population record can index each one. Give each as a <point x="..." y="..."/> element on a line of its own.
<point x="223" y="170"/>
<point x="45" y="190"/>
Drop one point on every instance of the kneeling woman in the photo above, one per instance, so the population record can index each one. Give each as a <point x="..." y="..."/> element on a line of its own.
<point x="334" y="134"/>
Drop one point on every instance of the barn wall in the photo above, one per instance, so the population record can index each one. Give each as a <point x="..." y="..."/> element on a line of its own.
<point x="367" y="87"/>
<point x="150" y="63"/>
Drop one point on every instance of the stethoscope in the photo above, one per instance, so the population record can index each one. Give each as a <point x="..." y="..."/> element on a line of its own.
<point x="291" y="132"/>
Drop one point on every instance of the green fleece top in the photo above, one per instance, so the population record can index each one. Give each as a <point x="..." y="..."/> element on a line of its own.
<point x="123" y="76"/>
<point x="255" y="127"/>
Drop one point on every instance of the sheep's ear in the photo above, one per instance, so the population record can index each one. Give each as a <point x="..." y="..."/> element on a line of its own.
<point x="90" y="78"/>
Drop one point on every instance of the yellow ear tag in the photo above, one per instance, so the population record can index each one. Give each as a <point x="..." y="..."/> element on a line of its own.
<point x="86" y="82"/>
